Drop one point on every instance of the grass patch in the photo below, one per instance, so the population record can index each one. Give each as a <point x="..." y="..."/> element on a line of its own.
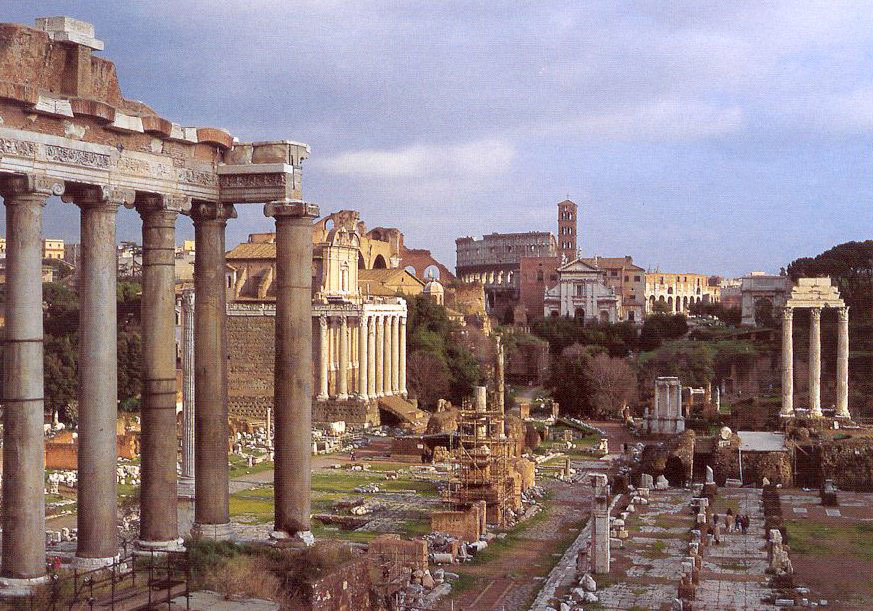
<point x="239" y="467"/>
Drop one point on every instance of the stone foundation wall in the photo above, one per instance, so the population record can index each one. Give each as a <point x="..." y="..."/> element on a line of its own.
<point x="465" y="525"/>
<point x="391" y="547"/>
<point x="344" y="588"/>
<point x="356" y="413"/>
<point x="850" y="465"/>
<point x="251" y="350"/>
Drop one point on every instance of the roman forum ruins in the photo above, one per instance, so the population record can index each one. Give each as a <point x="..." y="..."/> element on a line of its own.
<point x="67" y="131"/>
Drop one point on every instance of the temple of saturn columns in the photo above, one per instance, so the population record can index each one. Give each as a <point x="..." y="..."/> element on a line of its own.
<point x="815" y="294"/>
<point x="67" y="131"/>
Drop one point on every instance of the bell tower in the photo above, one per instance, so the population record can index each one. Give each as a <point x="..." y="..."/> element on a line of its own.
<point x="568" y="247"/>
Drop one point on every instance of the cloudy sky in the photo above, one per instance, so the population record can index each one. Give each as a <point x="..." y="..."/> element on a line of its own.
<point x="703" y="137"/>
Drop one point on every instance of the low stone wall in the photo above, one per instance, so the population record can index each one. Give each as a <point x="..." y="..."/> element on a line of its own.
<point x="849" y="464"/>
<point x="466" y="525"/>
<point x="346" y="587"/>
<point x="390" y="547"/>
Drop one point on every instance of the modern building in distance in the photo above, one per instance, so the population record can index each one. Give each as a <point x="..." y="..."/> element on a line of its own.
<point x="678" y="292"/>
<point x="628" y="281"/>
<point x="52" y="249"/>
<point x="582" y="292"/>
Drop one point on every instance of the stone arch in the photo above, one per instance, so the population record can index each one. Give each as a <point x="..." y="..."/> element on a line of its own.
<point x="362" y="264"/>
<point x="685" y="302"/>
<point x="411" y="270"/>
<point x="604" y="316"/>
<point x="652" y="302"/>
<point x="670" y="303"/>
<point x="431" y="272"/>
<point x="379" y="262"/>
<point x="579" y="314"/>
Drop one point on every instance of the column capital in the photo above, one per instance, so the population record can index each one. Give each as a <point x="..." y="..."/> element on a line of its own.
<point x="291" y="209"/>
<point x="323" y="321"/>
<point x="30" y="184"/>
<point x="212" y="211"/>
<point x="843" y="313"/>
<point x="787" y="313"/>
<point x="815" y="313"/>
<point x="188" y="297"/>
<point x="161" y="202"/>
<point x="100" y="196"/>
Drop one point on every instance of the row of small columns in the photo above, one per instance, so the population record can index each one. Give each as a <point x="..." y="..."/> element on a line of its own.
<point x="842" y="406"/>
<point x="23" y="502"/>
<point x="381" y="356"/>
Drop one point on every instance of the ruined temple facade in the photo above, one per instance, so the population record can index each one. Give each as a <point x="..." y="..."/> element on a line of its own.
<point x="67" y="131"/>
<point x="359" y="336"/>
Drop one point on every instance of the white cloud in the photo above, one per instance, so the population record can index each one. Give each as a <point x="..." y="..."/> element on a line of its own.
<point x="482" y="158"/>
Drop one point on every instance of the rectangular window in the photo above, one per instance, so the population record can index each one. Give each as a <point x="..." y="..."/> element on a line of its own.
<point x="636" y="278"/>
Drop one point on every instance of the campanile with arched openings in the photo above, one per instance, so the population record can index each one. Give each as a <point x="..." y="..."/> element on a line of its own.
<point x="567" y="224"/>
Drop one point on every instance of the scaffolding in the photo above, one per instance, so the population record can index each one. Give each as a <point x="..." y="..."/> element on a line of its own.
<point x="483" y="462"/>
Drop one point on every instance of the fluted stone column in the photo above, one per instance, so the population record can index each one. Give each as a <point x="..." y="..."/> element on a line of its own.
<point x="387" y="359"/>
<point x="343" y="376"/>
<point x="362" y="358"/>
<point x="395" y="355"/>
<point x="98" y="377"/>
<point x="23" y="404"/>
<point x="158" y="515"/>
<point x="500" y="374"/>
<point x="186" y="480"/>
<point x="293" y="368"/>
<point x="211" y="498"/>
<point x="403" y="356"/>
<point x="380" y="356"/>
<point x="323" y="356"/>
<point x="842" y="410"/>
<point x="371" y="357"/>
<point x="787" y="363"/>
<point x="815" y="362"/>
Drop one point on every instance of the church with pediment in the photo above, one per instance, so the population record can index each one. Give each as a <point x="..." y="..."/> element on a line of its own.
<point x="582" y="292"/>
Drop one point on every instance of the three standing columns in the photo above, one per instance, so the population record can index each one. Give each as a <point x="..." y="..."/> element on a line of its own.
<point x="23" y="442"/>
<point x="787" y="363"/>
<point x="211" y="497"/>
<point x="158" y="515"/>
<point x="98" y="381"/>
<point x="815" y="362"/>
<point x="293" y="368"/>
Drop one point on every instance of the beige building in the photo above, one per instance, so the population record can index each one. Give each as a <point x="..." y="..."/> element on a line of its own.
<point x="628" y="281"/>
<point x="679" y="291"/>
<point x="52" y="249"/>
<point x="359" y="324"/>
<point x="582" y="292"/>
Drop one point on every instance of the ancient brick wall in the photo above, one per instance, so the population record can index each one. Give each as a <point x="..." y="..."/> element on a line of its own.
<point x="346" y="588"/>
<point x="251" y="350"/>
<point x="849" y="464"/>
<point x="391" y="547"/>
<point x="461" y="524"/>
<point x="355" y="413"/>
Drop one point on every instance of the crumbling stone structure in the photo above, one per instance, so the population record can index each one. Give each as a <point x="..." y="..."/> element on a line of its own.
<point x="666" y="415"/>
<point x="68" y="131"/>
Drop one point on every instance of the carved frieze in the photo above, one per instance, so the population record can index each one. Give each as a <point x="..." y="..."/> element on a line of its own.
<point x="72" y="156"/>
<point x="21" y="148"/>
<point x="252" y="180"/>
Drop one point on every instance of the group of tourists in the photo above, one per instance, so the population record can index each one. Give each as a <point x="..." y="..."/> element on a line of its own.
<point x="732" y="523"/>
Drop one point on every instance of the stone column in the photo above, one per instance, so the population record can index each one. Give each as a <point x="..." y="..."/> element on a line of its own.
<point x="293" y="368"/>
<point x="98" y="376"/>
<point x="395" y="355"/>
<point x="403" y="356"/>
<point x="600" y="556"/>
<point x="362" y="358"/>
<point x="380" y="356"/>
<point x="501" y="390"/>
<point x="23" y="404"/>
<point x="211" y="498"/>
<point x="186" y="481"/>
<point x="787" y="363"/>
<point x="815" y="362"/>
<point x="842" y="410"/>
<point x="371" y="357"/>
<point x="386" y="358"/>
<point x="342" y="385"/>
<point x="158" y="516"/>
<point x="323" y="358"/>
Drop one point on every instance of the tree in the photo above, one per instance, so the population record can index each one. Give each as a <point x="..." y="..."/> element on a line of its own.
<point x="764" y="313"/>
<point x="569" y="382"/>
<point x="691" y="362"/>
<point x="850" y="266"/>
<point x="659" y="328"/>
<point x="613" y="383"/>
<point x="427" y="376"/>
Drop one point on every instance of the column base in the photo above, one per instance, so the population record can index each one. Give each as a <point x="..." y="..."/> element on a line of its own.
<point x="11" y="587"/>
<point x="213" y="532"/>
<point x="788" y="415"/>
<point x="364" y="397"/>
<point x="159" y="547"/>
<point x="301" y="539"/>
<point x="342" y="397"/>
<point x="81" y="563"/>
<point x="815" y="413"/>
<point x="843" y="416"/>
<point x="321" y="397"/>
<point x="185" y="487"/>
